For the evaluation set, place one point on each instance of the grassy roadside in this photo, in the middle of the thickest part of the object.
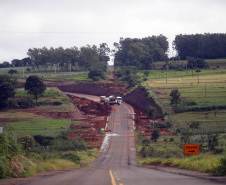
(207, 91)
(52, 149)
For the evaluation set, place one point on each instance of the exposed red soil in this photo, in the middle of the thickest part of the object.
(95, 119)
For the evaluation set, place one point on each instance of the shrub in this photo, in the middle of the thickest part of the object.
(43, 140)
(171, 139)
(25, 103)
(155, 135)
(5, 170)
(160, 125)
(96, 74)
(42, 103)
(179, 108)
(13, 104)
(168, 124)
(221, 169)
(27, 142)
(146, 142)
(9, 147)
(57, 103)
(72, 157)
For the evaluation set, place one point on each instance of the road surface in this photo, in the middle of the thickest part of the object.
(116, 163)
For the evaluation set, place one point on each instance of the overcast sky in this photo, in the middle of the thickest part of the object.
(26, 24)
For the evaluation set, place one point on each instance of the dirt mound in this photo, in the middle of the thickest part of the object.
(91, 108)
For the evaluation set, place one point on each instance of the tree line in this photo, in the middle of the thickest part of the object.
(140, 52)
(206, 46)
(76, 59)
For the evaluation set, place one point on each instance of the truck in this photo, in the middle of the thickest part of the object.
(111, 100)
(102, 99)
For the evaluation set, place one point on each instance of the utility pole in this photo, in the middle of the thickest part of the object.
(23, 71)
(70, 68)
(205, 90)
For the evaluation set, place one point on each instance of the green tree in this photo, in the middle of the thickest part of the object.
(6, 78)
(153, 113)
(6, 91)
(12, 71)
(35, 86)
(146, 73)
(155, 134)
(194, 125)
(175, 94)
(96, 74)
(213, 141)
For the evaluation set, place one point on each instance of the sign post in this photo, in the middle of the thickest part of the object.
(191, 149)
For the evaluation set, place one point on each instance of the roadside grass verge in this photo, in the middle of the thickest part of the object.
(203, 163)
(51, 164)
(37, 165)
(166, 153)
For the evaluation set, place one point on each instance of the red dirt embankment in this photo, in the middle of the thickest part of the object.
(95, 118)
(137, 99)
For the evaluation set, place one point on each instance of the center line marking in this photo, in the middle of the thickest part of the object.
(112, 178)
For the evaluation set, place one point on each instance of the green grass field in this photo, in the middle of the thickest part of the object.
(42, 126)
(60, 76)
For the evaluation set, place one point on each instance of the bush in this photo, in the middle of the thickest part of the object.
(221, 169)
(171, 139)
(43, 140)
(146, 142)
(27, 142)
(168, 124)
(5, 170)
(65, 145)
(39, 103)
(25, 103)
(96, 74)
(179, 108)
(13, 104)
(9, 147)
(72, 157)
(57, 103)
(160, 125)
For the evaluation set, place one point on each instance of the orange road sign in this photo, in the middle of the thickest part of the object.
(190, 149)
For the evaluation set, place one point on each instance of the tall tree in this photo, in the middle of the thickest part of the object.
(175, 94)
(35, 86)
(6, 91)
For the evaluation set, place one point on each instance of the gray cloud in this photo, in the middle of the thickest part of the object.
(26, 24)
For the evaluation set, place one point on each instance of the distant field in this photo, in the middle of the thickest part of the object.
(61, 76)
(213, 63)
(210, 89)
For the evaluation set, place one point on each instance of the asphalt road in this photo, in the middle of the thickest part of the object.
(116, 163)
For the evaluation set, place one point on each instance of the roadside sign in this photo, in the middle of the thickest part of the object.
(190, 149)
